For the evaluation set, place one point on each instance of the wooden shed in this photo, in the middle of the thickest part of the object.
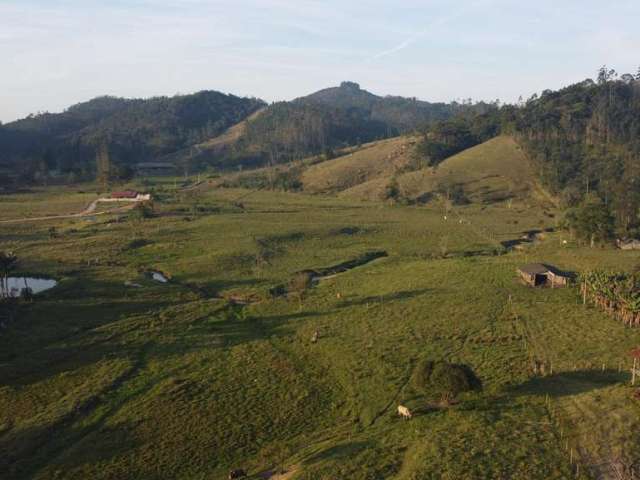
(542, 275)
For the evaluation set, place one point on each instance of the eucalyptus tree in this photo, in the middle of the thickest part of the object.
(8, 264)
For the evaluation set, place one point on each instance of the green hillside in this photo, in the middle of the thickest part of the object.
(494, 171)
(378, 159)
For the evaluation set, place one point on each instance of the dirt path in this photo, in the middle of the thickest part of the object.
(288, 475)
(89, 211)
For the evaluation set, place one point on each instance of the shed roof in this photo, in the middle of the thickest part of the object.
(542, 268)
(535, 269)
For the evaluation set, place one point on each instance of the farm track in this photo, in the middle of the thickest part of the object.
(89, 211)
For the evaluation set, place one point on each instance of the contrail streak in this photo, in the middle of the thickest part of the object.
(417, 36)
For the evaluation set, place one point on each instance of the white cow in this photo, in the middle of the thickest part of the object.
(404, 412)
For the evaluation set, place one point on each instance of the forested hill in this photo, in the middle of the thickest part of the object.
(165, 129)
(333, 118)
(134, 129)
(585, 142)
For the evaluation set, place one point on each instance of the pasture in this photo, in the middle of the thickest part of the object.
(210, 372)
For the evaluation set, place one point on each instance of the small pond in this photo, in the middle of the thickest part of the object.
(37, 285)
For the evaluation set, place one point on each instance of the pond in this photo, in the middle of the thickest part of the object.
(15, 285)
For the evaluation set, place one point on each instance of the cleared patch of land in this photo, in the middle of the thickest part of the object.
(231, 135)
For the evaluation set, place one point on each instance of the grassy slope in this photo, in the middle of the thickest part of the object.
(378, 159)
(493, 171)
(102, 381)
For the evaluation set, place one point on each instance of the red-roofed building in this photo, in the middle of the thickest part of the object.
(129, 194)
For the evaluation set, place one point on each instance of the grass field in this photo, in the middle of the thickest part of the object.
(103, 381)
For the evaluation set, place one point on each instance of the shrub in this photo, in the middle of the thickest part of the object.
(137, 243)
(301, 282)
(142, 211)
(444, 379)
(391, 190)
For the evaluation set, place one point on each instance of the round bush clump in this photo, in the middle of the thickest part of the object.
(444, 379)
(301, 281)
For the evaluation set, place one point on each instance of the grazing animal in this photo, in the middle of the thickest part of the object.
(315, 336)
(238, 473)
(404, 412)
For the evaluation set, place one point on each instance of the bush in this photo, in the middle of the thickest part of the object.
(137, 243)
(444, 379)
(301, 282)
(142, 211)
(391, 190)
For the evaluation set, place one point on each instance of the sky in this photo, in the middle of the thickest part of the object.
(55, 53)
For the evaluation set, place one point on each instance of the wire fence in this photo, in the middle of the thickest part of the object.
(572, 431)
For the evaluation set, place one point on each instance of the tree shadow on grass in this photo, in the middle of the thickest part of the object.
(31, 450)
(570, 383)
(405, 295)
(230, 332)
(338, 452)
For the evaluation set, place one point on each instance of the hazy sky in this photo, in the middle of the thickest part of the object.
(54, 53)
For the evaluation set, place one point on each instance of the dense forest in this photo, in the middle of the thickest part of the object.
(134, 130)
(585, 143)
(440, 140)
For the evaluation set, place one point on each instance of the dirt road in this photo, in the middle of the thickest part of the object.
(89, 211)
